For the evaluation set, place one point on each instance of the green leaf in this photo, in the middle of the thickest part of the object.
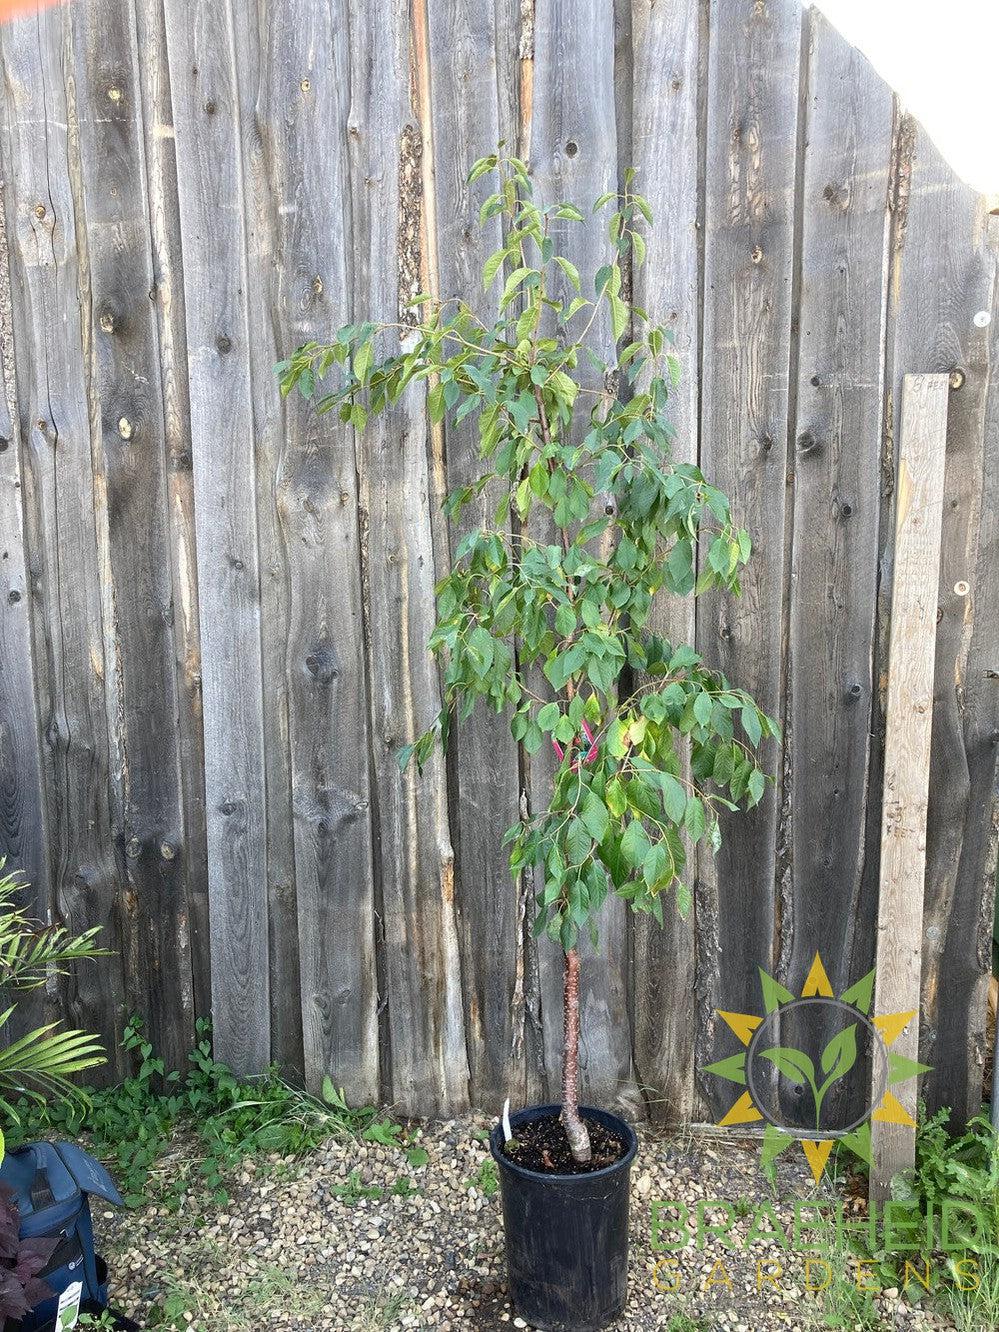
(578, 843)
(635, 844)
(569, 211)
(565, 620)
(674, 798)
(491, 267)
(619, 316)
(362, 361)
(840, 1054)
(693, 819)
(570, 270)
(512, 283)
(792, 1064)
(751, 723)
(756, 787)
(684, 899)
(594, 816)
(548, 716)
(657, 867)
(615, 798)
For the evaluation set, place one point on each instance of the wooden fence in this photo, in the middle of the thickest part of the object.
(213, 607)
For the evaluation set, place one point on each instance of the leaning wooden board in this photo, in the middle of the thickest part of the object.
(919, 503)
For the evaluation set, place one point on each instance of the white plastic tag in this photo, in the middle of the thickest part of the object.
(69, 1307)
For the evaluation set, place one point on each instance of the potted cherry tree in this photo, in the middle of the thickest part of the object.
(581, 518)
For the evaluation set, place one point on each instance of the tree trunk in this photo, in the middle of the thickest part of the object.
(575, 1129)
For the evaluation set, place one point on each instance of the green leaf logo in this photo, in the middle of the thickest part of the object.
(792, 1064)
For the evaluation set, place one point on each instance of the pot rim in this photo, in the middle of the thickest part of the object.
(620, 1125)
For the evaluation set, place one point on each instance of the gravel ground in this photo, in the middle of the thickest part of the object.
(300, 1246)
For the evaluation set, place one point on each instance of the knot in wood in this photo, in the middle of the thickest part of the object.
(167, 851)
(224, 344)
(957, 377)
(305, 85)
(757, 254)
(13, 597)
(39, 210)
(107, 321)
(322, 664)
(114, 94)
(125, 428)
(134, 848)
(4, 445)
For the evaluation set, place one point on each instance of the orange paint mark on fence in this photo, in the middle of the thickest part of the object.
(12, 9)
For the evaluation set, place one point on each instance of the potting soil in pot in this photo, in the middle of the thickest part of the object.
(542, 1145)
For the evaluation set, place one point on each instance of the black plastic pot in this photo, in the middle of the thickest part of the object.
(566, 1235)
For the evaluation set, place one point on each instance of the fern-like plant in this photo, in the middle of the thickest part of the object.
(41, 1063)
(581, 518)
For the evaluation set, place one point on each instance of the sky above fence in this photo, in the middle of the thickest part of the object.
(942, 65)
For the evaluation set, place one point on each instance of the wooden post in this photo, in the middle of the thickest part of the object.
(918, 512)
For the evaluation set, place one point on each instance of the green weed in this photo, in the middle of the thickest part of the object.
(131, 1125)
(485, 1179)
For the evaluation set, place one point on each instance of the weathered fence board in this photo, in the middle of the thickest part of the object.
(465, 124)
(49, 281)
(168, 294)
(574, 157)
(215, 604)
(666, 96)
(834, 530)
(919, 504)
(429, 1064)
(753, 93)
(206, 104)
(149, 831)
(942, 287)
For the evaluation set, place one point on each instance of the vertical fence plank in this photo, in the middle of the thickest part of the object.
(206, 109)
(168, 291)
(919, 504)
(749, 223)
(269, 176)
(574, 157)
(274, 107)
(834, 560)
(301, 232)
(130, 414)
(49, 288)
(23, 839)
(665, 130)
(465, 126)
(422, 962)
(942, 285)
